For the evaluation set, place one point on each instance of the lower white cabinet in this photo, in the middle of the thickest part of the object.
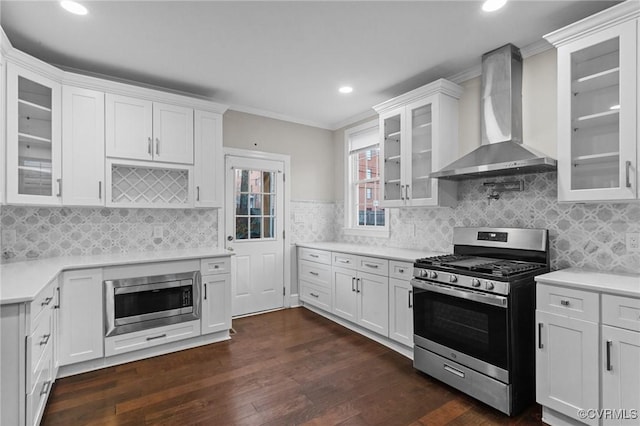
(401, 311)
(123, 343)
(216, 303)
(81, 316)
(345, 298)
(567, 364)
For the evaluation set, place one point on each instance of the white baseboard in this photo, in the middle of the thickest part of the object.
(294, 301)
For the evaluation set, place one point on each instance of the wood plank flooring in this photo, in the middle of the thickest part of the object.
(281, 368)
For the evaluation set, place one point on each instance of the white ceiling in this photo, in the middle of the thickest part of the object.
(282, 59)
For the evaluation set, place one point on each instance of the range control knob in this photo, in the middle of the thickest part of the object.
(453, 278)
(475, 282)
(433, 274)
(423, 273)
(489, 285)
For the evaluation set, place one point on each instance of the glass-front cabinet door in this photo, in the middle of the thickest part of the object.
(33, 138)
(420, 133)
(394, 189)
(597, 143)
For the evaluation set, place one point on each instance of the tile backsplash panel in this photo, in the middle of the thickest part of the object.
(60, 231)
(581, 235)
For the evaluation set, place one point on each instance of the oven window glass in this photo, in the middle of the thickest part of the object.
(465, 326)
(150, 301)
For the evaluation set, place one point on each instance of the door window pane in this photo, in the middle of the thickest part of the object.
(255, 204)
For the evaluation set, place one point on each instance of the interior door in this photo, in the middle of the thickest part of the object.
(254, 232)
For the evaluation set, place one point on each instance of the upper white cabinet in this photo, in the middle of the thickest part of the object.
(597, 106)
(83, 147)
(33, 138)
(138, 129)
(209, 159)
(419, 135)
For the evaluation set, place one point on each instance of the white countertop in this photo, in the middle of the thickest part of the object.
(400, 254)
(585, 279)
(22, 281)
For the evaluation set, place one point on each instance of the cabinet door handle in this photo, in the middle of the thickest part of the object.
(45, 387)
(99, 190)
(149, 145)
(410, 298)
(205, 291)
(198, 193)
(357, 285)
(402, 192)
(540, 345)
(609, 366)
(58, 305)
(406, 192)
(353, 281)
(156, 337)
(628, 180)
(59, 194)
(157, 146)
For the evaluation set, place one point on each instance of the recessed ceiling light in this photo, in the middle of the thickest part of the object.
(493, 5)
(73, 7)
(345, 89)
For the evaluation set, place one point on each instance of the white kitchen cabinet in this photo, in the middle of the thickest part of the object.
(345, 298)
(209, 160)
(401, 311)
(418, 136)
(33, 138)
(81, 316)
(597, 106)
(216, 303)
(373, 302)
(83, 157)
(567, 364)
(138, 129)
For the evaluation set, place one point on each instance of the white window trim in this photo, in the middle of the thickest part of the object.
(349, 227)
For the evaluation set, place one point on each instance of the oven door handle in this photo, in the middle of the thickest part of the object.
(486, 298)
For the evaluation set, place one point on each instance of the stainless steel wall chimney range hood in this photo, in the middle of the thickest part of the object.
(502, 151)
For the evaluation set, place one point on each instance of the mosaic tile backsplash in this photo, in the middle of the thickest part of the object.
(60, 231)
(581, 235)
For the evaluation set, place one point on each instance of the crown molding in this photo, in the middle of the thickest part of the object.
(281, 117)
(368, 114)
(439, 86)
(602, 20)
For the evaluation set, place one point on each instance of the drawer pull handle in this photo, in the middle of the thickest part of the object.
(609, 367)
(371, 265)
(540, 345)
(314, 273)
(314, 256)
(216, 266)
(45, 387)
(45, 339)
(46, 301)
(156, 337)
(401, 271)
(314, 295)
(343, 261)
(454, 371)
(564, 302)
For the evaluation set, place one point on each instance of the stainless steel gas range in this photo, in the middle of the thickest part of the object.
(474, 313)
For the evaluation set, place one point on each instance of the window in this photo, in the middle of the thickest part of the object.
(363, 214)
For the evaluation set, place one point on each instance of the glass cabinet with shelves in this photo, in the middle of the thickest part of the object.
(33, 138)
(597, 109)
(419, 135)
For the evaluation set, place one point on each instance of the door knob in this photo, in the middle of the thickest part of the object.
(230, 238)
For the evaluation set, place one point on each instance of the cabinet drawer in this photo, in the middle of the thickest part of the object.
(623, 312)
(39, 343)
(315, 295)
(42, 303)
(373, 265)
(569, 302)
(215, 265)
(316, 273)
(400, 270)
(314, 255)
(37, 396)
(344, 260)
(149, 338)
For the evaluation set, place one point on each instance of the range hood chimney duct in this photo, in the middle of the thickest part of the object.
(502, 151)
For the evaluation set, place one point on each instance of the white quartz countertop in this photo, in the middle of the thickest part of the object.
(22, 281)
(585, 279)
(400, 254)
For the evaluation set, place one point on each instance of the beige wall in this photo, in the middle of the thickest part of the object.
(539, 106)
(310, 148)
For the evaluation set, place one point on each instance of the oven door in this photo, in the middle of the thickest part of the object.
(466, 326)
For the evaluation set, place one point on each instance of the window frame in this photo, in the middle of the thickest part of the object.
(351, 226)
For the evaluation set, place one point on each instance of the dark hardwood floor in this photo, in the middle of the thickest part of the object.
(281, 368)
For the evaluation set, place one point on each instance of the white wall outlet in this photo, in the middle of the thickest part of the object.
(157, 231)
(633, 241)
(8, 236)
